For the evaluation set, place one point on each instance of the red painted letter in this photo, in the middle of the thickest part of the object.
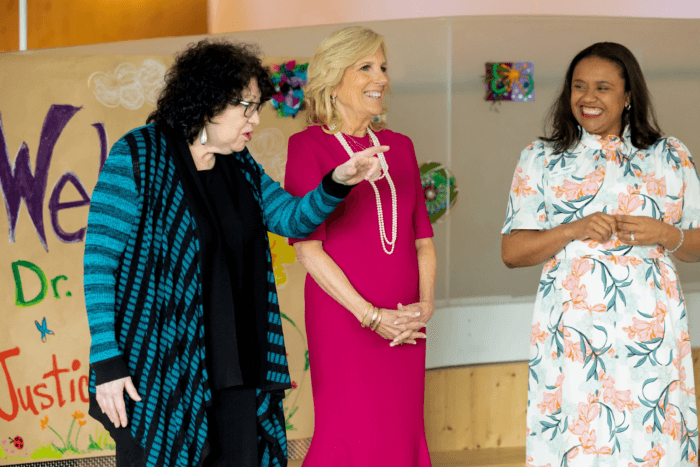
(13, 397)
(45, 396)
(56, 374)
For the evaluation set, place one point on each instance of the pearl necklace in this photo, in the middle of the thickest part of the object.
(385, 174)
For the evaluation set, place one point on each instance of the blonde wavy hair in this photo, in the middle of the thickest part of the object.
(332, 57)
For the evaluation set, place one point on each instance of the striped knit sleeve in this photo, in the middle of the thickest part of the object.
(298, 217)
(113, 214)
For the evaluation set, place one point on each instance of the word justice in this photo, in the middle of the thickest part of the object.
(40, 396)
(19, 183)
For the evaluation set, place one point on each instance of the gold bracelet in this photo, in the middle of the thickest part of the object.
(369, 308)
(374, 317)
(379, 320)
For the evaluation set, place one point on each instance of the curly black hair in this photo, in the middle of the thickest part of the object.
(565, 131)
(205, 78)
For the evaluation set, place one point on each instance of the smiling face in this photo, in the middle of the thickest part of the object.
(360, 93)
(231, 130)
(598, 96)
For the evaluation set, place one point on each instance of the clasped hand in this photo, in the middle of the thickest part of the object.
(362, 165)
(631, 230)
(402, 326)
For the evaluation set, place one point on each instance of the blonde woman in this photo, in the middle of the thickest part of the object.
(370, 285)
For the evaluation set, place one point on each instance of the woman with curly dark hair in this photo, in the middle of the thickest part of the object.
(179, 288)
(604, 201)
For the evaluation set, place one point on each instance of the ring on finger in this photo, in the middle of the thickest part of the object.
(632, 236)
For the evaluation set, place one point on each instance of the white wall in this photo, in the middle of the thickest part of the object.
(435, 63)
(250, 15)
(497, 329)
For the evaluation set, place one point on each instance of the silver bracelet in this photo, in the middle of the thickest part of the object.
(681, 242)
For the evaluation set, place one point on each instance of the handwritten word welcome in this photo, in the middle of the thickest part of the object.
(18, 183)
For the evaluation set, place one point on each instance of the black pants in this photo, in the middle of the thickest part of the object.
(232, 434)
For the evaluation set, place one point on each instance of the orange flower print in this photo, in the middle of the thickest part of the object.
(588, 442)
(549, 265)
(683, 349)
(671, 427)
(82, 422)
(520, 186)
(530, 460)
(686, 389)
(537, 335)
(597, 176)
(654, 456)
(682, 154)
(589, 186)
(611, 244)
(660, 311)
(627, 204)
(625, 260)
(579, 427)
(550, 402)
(655, 187)
(570, 283)
(44, 421)
(573, 351)
(673, 212)
(633, 190)
(572, 454)
(78, 415)
(670, 287)
(622, 400)
(580, 266)
(573, 191)
(578, 297)
(644, 330)
(588, 412)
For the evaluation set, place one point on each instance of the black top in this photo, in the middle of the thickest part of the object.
(236, 293)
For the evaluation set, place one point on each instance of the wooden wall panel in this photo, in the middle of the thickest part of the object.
(476, 407)
(60, 23)
(9, 25)
(482, 408)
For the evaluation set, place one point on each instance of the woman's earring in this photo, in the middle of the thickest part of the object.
(628, 107)
(333, 99)
(203, 137)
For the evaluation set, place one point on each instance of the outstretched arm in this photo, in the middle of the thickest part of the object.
(297, 217)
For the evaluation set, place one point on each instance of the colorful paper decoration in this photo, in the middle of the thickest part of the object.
(510, 81)
(289, 78)
(434, 177)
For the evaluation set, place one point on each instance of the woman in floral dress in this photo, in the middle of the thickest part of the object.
(603, 201)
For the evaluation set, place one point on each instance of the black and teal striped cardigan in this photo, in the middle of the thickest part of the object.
(143, 295)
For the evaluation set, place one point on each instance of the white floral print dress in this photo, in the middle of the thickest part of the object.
(611, 373)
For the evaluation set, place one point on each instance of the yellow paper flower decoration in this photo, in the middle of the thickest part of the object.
(281, 253)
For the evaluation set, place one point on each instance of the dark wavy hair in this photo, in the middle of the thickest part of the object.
(204, 79)
(564, 129)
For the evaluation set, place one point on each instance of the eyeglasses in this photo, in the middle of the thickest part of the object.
(250, 107)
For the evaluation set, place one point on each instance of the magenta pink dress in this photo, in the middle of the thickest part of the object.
(368, 397)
